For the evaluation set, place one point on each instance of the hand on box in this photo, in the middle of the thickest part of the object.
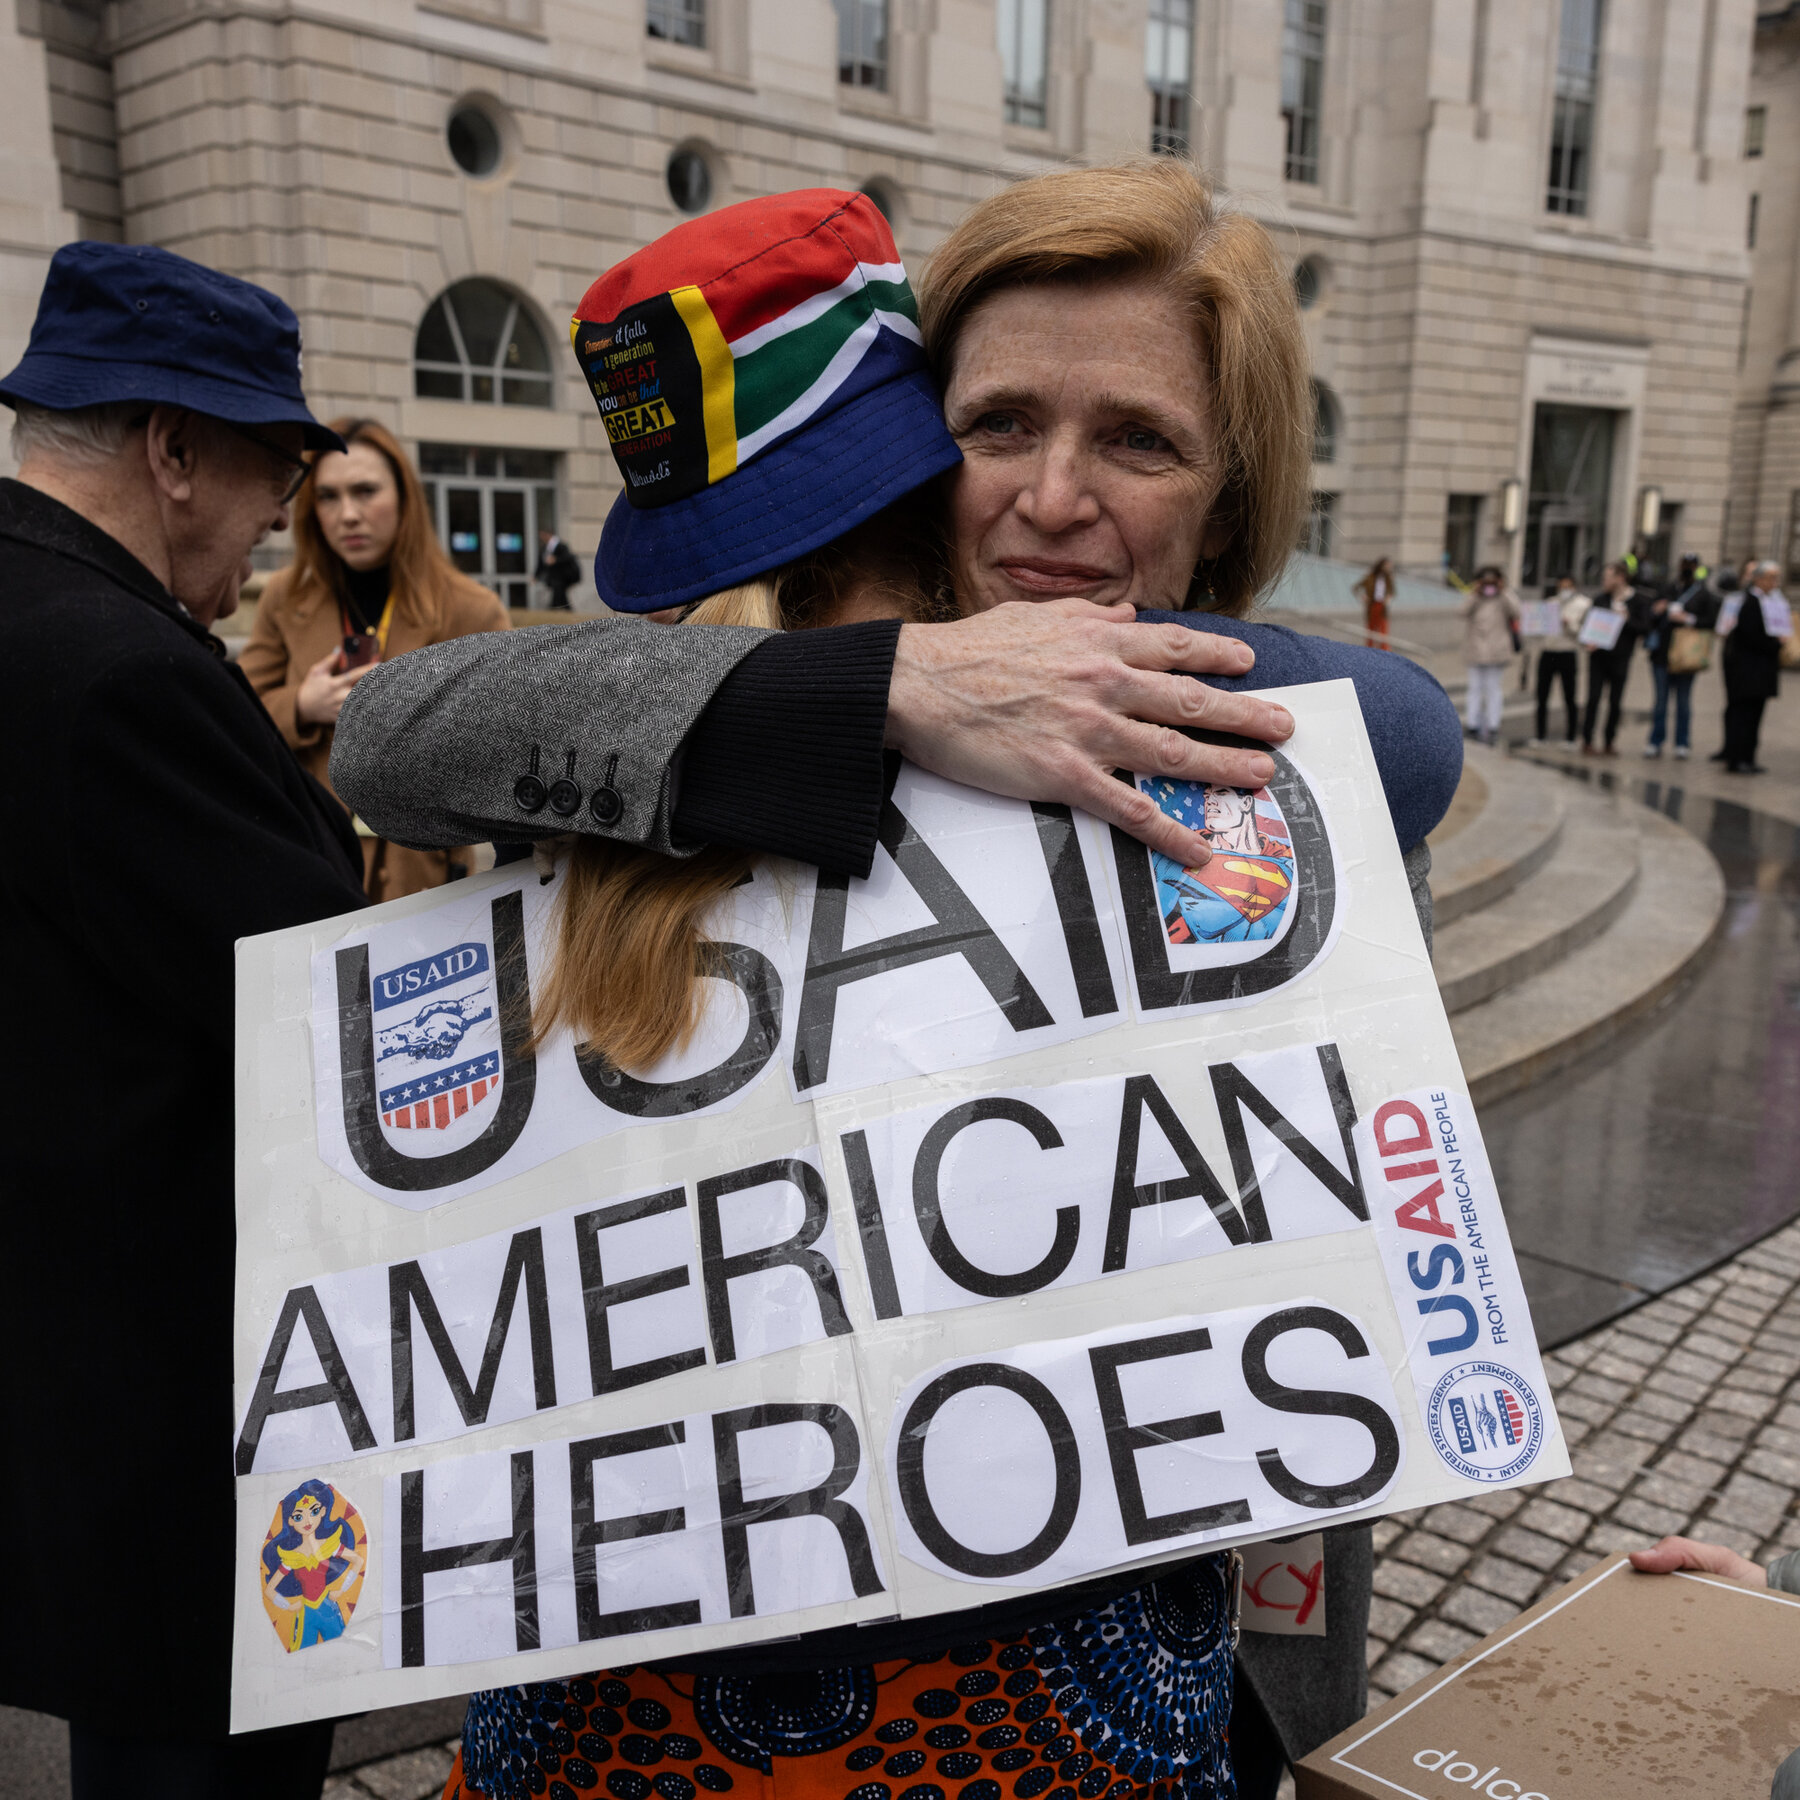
(1674, 1553)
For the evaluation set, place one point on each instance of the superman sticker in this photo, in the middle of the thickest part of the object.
(1240, 903)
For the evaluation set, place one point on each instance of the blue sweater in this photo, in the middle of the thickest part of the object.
(1413, 727)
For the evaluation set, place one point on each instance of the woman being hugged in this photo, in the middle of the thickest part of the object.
(1125, 373)
(369, 581)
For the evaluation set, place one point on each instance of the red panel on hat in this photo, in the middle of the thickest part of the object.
(754, 261)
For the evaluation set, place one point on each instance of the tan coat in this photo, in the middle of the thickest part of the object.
(288, 638)
(1487, 625)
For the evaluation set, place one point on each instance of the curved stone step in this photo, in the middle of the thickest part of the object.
(1508, 839)
(1566, 1011)
(1565, 903)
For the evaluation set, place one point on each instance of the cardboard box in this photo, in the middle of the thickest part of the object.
(1619, 1684)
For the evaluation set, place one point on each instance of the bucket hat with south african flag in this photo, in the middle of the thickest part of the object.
(763, 383)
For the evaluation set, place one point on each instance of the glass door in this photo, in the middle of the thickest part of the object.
(1571, 479)
(463, 529)
(488, 507)
(510, 506)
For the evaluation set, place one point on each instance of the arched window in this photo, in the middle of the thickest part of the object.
(477, 342)
(1325, 424)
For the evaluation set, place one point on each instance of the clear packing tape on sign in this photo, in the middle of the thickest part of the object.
(1030, 1210)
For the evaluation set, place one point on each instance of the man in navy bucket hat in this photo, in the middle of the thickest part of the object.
(132, 322)
(160, 430)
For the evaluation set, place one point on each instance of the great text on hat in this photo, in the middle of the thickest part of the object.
(732, 332)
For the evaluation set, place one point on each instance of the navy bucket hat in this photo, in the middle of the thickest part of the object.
(764, 389)
(124, 322)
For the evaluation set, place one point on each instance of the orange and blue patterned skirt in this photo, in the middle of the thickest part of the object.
(1132, 1699)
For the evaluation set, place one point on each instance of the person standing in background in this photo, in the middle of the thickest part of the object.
(1376, 590)
(1489, 614)
(1692, 604)
(369, 581)
(1557, 659)
(557, 569)
(1608, 664)
(1753, 626)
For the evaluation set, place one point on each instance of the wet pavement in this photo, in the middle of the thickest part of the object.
(1681, 1146)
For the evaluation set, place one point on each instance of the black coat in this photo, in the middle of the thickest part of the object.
(1696, 599)
(1752, 657)
(152, 816)
(557, 568)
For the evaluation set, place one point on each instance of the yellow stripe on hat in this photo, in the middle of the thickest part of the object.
(718, 381)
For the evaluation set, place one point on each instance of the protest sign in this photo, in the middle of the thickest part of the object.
(1540, 618)
(1601, 627)
(1032, 1209)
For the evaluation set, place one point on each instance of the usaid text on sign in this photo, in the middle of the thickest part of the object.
(1031, 1209)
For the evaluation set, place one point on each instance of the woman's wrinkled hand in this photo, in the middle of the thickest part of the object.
(1044, 701)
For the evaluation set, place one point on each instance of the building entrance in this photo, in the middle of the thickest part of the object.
(488, 507)
(1571, 480)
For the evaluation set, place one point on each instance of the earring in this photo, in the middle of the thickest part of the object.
(1200, 596)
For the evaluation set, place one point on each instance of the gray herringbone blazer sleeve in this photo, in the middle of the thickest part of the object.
(430, 747)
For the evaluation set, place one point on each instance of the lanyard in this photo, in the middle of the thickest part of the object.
(381, 630)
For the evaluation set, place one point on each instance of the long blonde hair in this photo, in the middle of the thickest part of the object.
(631, 948)
(1159, 221)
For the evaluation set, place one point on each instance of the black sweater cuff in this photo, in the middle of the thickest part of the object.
(787, 756)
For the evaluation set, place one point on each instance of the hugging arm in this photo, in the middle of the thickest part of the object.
(432, 748)
(774, 741)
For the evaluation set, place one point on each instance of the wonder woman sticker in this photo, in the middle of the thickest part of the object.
(311, 1567)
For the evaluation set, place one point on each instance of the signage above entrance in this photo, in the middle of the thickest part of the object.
(1579, 372)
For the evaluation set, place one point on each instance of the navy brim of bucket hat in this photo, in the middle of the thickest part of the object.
(61, 383)
(794, 498)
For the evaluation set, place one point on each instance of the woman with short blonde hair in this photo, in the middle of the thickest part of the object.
(1125, 372)
(1157, 223)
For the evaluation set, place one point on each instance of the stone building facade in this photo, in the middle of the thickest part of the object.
(1765, 459)
(1517, 230)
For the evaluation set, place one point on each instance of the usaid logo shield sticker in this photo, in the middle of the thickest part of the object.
(427, 1082)
(421, 1026)
(1485, 1422)
(437, 1046)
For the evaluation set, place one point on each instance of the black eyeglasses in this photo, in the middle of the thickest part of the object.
(301, 467)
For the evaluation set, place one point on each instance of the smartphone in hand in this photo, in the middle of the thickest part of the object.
(358, 650)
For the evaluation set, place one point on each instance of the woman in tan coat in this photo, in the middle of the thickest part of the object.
(369, 581)
(1489, 615)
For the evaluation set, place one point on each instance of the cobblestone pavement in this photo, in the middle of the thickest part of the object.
(1682, 1416)
(414, 1775)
